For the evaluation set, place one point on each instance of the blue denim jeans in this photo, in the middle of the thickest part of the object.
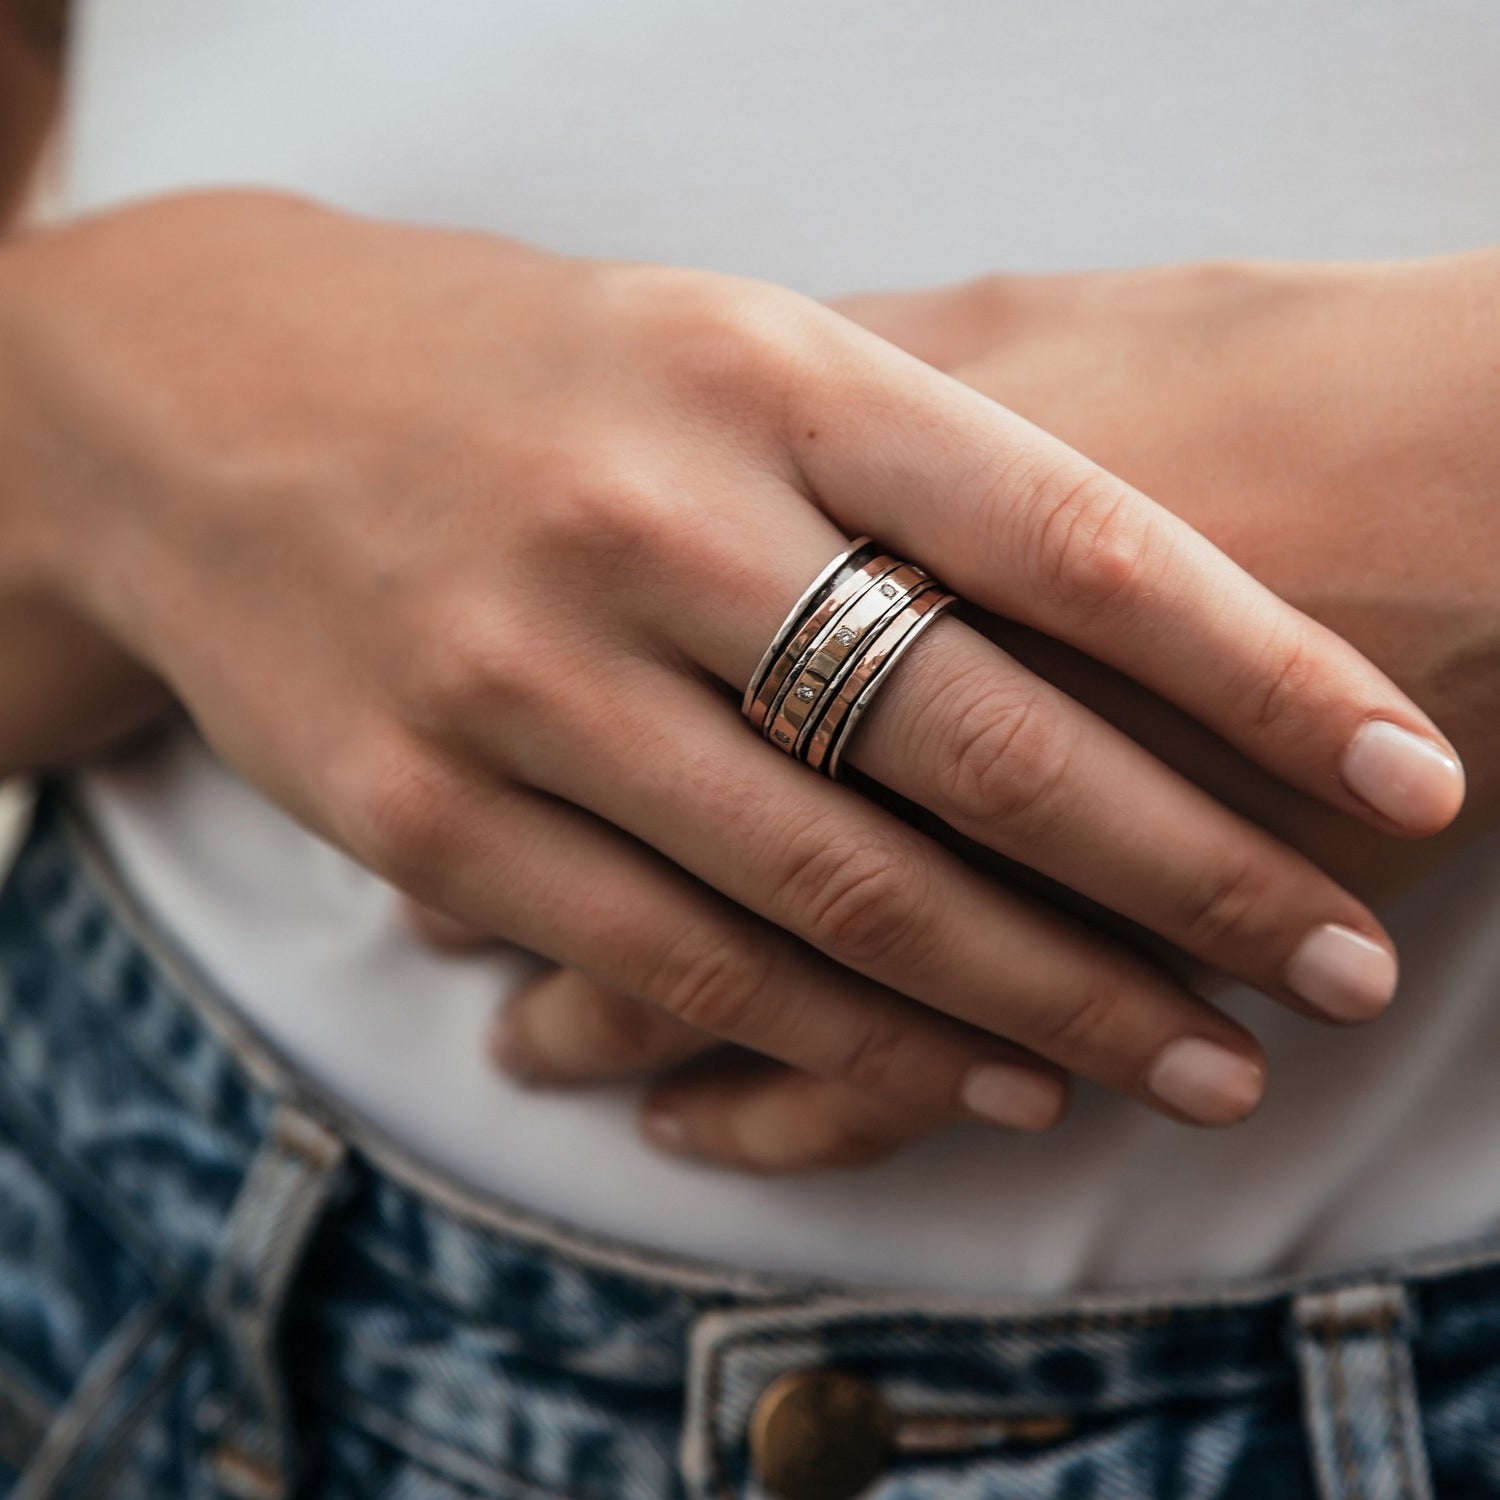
(213, 1283)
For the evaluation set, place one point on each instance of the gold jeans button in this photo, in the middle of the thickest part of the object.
(819, 1435)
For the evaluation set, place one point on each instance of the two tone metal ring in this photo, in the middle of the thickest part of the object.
(836, 649)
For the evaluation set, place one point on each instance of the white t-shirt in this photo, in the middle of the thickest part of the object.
(834, 147)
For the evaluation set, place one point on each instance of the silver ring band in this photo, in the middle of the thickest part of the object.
(836, 649)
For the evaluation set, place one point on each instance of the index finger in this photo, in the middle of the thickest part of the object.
(1021, 524)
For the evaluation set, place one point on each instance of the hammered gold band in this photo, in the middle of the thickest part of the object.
(835, 649)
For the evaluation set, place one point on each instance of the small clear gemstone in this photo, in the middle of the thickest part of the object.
(805, 693)
(844, 637)
(782, 737)
(888, 589)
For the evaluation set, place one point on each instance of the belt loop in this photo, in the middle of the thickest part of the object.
(1359, 1394)
(278, 1208)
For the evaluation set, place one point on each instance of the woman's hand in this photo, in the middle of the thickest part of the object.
(1332, 428)
(453, 547)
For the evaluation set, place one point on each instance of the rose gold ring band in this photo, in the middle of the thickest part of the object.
(839, 584)
(836, 648)
(829, 741)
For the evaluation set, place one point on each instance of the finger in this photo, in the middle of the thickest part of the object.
(566, 1029)
(1024, 526)
(879, 898)
(553, 879)
(1356, 855)
(756, 1116)
(966, 732)
(1011, 761)
(438, 930)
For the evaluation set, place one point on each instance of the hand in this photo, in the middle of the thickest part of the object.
(451, 547)
(724, 1105)
(1331, 428)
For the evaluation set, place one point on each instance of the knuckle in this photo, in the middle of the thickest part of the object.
(1008, 300)
(406, 818)
(617, 1030)
(1092, 550)
(712, 981)
(1085, 1027)
(444, 933)
(612, 512)
(470, 663)
(865, 905)
(1226, 908)
(723, 335)
(1279, 700)
(1003, 760)
(874, 1055)
(991, 296)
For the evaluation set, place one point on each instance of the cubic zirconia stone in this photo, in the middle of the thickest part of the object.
(805, 693)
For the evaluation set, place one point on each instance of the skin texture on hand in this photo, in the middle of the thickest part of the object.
(453, 548)
(1331, 428)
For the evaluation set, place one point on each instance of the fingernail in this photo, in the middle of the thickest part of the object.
(1014, 1097)
(1206, 1082)
(1342, 973)
(1413, 780)
(665, 1130)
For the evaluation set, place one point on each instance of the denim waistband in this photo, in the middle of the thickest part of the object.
(526, 1357)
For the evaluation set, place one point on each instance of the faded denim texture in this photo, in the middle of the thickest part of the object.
(213, 1284)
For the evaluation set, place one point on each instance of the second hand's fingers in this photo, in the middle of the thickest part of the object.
(730, 1108)
(554, 879)
(1020, 524)
(563, 1028)
(566, 1029)
(758, 1116)
(444, 933)
(881, 899)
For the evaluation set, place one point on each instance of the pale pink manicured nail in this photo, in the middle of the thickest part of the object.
(1342, 973)
(1413, 780)
(1014, 1097)
(1206, 1082)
